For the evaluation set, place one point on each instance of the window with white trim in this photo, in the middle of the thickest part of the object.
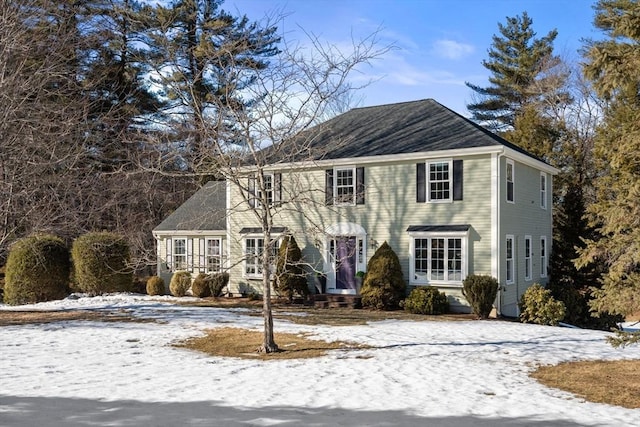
(543, 256)
(510, 178)
(438, 257)
(510, 252)
(543, 190)
(439, 181)
(345, 186)
(253, 250)
(267, 194)
(527, 258)
(213, 255)
(179, 254)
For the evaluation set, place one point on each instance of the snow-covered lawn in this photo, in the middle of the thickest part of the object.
(80, 373)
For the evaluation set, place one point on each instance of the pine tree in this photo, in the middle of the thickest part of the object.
(203, 59)
(517, 62)
(612, 66)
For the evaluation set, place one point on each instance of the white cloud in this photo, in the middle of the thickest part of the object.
(451, 49)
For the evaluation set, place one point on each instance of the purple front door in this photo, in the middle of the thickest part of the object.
(346, 263)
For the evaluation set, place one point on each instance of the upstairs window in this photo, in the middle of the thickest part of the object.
(267, 194)
(543, 190)
(270, 191)
(344, 186)
(510, 179)
(439, 181)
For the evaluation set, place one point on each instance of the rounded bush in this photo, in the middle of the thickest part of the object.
(201, 286)
(37, 270)
(291, 278)
(537, 305)
(217, 283)
(383, 286)
(101, 263)
(426, 300)
(480, 291)
(155, 285)
(180, 283)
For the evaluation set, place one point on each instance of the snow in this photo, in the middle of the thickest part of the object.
(454, 373)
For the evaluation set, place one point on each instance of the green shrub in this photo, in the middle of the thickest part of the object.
(180, 283)
(576, 303)
(480, 291)
(217, 283)
(426, 300)
(37, 270)
(538, 306)
(155, 286)
(290, 277)
(383, 286)
(201, 286)
(101, 263)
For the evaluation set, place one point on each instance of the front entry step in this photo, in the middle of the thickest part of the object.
(337, 301)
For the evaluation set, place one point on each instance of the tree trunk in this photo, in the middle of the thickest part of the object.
(268, 345)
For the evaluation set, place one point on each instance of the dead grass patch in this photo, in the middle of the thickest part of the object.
(307, 315)
(244, 343)
(350, 317)
(11, 318)
(611, 382)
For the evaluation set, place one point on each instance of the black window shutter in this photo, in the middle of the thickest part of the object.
(457, 179)
(251, 190)
(360, 186)
(277, 189)
(328, 187)
(421, 184)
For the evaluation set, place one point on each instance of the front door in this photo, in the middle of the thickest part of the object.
(345, 259)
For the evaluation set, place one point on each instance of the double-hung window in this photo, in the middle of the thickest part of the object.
(440, 181)
(253, 249)
(270, 191)
(527, 258)
(438, 257)
(510, 178)
(213, 255)
(510, 258)
(267, 194)
(179, 254)
(345, 186)
(543, 190)
(543, 256)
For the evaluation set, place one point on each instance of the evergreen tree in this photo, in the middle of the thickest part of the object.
(517, 62)
(291, 278)
(203, 59)
(612, 66)
(115, 76)
(383, 286)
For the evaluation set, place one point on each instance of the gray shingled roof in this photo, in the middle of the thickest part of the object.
(402, 128)
(205, 210)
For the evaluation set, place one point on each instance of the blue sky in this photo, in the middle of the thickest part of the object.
(440, 43)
